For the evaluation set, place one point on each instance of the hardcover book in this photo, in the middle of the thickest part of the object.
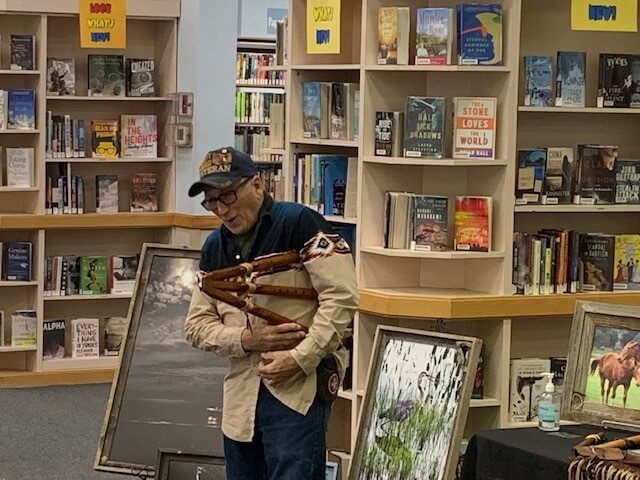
(473, 224)
(72, 268)
(479, 34)
(22, 109)
(61, 76)
(106, 193)
(23, 52)
(538, 81)
(144, 192)
(626, 275)
(17, 259)
(106, 76)
(474, 127)
(388, 134)
(85, 338)
(315, 105)
(114, 332)
(53, 337)
(527, 383)
(123, 273)
(105, 139)
(597, 174)
(139, 136)
(614, 81)
(19, 167)
(530, 180)
(393, 36)
(434, 33)
(597, 254)
(429, 223)
(634, 93)
(627, 181)
(338, 126)
(333, 183)
(141, 73)
(558, 176)
(424, 121)
(24, 328)
(93, 275)
(570, 79)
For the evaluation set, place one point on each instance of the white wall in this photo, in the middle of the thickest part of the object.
(252, 18)
(206, 66)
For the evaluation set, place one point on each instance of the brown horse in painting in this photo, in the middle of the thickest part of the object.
(616, 373)
(630, 350)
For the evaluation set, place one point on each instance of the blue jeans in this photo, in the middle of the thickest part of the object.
(286, 445)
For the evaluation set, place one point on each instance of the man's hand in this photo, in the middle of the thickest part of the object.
(278, 367)
(269, 338)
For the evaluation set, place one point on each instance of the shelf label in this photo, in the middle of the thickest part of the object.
(323, 26)
(103, 24)
(605, 16)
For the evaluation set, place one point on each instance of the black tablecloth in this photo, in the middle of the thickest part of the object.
(524, 453)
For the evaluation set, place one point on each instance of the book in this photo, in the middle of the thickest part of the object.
(429, 223)
(19, 167)
(24, 328)
(558, 366)
(627, 181)
(338, 126)
(393, 36)
(479, 34)
(114, 332)
(3, 326)
(388, 134)
(144, 192)
(85, 338)
(71, 264)
(53, 339)
(570, 79)
(538, 81)
(634, 91)
(527, 383)
(474, 127)
(333, 177)
(139, 136)
(614, 81)
(315, 105)
(626, 274)
(477, 393)
(23, 52)
(17, 259)
(558, 176)
(4, 109)
(22, 109)
(141, 77)
(530, 175)
(123, 273)
(473, 224)
(93, 275)
(107, 194)
(597, 254)
(596, 183)
(61, 76)
(434, 36)
(105, 139)
(106, 75)
(424, 121)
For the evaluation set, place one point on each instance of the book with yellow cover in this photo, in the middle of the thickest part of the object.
(626, 271)
(105, 139)
(393, 36)
(473, 224)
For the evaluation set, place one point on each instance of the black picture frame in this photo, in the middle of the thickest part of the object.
(166, 393)
(179, 465)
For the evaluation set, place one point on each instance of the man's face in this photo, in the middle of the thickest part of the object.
(240, 216)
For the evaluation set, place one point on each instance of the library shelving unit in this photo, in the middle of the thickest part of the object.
(459, 292)
(151, 33)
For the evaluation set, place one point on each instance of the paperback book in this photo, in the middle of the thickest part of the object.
(597, 252)
(105, 139)
(61, 76)
(388, 134)
(474, 127)
(393, 36)
(123, 273)
(473, 224)
(315, 105)
(93, 275)
(144, 192)
(53, 339)
(597, 174)
(22, 109)
(424, 121)
(114, 332)
(570, 79)
(627, 181)
(479, 34)
(106, 193)
(434, 33)
(530, 175)
(429, 223)
(538, 81)
(141, 73)
(139, 136)
(627, 263)
(24, 328)
(23, 52)
(85, 338)
(614, 81)
(558, 176)
(106, 75)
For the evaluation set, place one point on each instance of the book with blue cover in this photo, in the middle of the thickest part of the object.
(315, 103)
(531, 165)
(334, 183)
(424, 121)
(538, 81)
(17, 258)
(570, 79)
(479, 33)
(22, 109)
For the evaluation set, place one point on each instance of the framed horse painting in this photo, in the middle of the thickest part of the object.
(602, 380)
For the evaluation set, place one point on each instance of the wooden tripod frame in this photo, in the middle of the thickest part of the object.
(219, 283)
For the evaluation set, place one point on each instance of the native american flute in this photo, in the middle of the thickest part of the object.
(623, 443)
(252, 288)
(261, 265)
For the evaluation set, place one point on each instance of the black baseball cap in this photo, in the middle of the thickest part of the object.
(223, 168)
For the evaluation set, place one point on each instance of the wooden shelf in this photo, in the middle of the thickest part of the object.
(274, 68)
(32, 348)
(463, 304)
(279, 90)
(437, 162)
(19, 72)
(591, 110)
(86, 220)
(72, 298)
(273, 151)
(571, 208)
(485, 402)
(109, 160)
(80, 98)
(346, 394)
(438, 68)
(14, 283)
(18, 189)
(80, 363)
(256, 125)
(326, 141)
(196, 222)
(20, 379)
(448, 255)
(329, 66)
(339, 219)
(16, 131)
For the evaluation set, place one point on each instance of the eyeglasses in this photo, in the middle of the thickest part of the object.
(226, 198)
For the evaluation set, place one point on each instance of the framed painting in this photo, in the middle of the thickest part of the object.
(417, 396)
(178, 465)
(166, 393)
(602, 380)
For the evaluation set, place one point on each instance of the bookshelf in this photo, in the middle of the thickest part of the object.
(151, 33)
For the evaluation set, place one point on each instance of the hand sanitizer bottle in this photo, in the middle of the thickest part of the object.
(549, 407)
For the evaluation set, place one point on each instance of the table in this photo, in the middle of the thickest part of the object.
(524, 453)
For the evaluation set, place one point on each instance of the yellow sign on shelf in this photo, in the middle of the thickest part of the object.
(323, 26)
(103, 24)
(606, 16)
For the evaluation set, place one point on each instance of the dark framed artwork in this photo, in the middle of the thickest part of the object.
(602, 379)
(415, 406)
(166, 393)
(179, 465)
